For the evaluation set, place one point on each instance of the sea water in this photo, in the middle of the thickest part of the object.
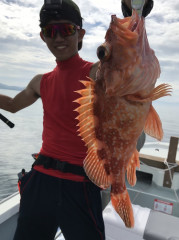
(17, 144)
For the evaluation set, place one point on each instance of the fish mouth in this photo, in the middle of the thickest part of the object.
(134, 27)
(131, 23)
(134, 22)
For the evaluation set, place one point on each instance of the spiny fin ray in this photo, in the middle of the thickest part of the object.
(84, 92)
(84, 107)
(160, 91)
(95, 170)
(84, 100)
(93, 165)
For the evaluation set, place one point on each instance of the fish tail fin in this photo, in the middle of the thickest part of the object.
(131, 168)
(122, 205)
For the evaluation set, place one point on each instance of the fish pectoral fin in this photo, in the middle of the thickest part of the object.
(153, 125)
(122, 204)
(95, 170)
(160, 91)
(131, 168)
(135, 98)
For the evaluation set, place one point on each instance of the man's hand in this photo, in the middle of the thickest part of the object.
(138, 6)
(127, 7)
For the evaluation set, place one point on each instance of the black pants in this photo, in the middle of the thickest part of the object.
(48, 203)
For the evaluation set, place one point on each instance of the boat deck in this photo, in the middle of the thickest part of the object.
(149, 224)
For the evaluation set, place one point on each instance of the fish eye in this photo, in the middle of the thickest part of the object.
(103, 52)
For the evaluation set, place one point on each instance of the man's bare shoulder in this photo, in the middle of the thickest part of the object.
(37, 78)
(35, 84)
(94, 70)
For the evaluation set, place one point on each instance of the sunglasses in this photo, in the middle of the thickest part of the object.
(64, 29)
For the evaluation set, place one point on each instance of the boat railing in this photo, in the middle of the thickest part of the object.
(169, 164)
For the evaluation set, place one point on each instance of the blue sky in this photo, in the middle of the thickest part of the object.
(23, 54)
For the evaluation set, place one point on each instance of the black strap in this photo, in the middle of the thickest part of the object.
(56, 164)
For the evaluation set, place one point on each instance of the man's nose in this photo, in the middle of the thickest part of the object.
(58, 36)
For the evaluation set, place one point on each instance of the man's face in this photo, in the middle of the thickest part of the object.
(63, 48)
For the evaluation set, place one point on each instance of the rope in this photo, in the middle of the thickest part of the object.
(171, 179)
(172, 165)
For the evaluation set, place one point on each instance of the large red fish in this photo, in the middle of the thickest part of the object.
(117, 107)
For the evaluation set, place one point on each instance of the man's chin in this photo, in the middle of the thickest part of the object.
(63, 57)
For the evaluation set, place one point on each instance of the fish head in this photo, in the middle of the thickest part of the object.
(126, 58)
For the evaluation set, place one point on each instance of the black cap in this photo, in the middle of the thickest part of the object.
(61, 9)
(127, 12)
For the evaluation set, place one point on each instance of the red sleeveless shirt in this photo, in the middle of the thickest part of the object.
(60, 136)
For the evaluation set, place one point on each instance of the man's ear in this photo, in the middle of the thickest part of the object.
(42, 36)
(81, 34)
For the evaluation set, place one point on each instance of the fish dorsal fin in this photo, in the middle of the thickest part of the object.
(153, 125)
(95, 168)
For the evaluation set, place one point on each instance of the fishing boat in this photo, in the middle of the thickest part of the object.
(155, 200)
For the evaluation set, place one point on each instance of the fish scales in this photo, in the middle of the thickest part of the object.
(116, 107)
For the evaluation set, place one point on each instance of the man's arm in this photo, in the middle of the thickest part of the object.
(24, 99)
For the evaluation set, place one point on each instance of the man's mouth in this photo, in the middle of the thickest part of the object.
(60, 47)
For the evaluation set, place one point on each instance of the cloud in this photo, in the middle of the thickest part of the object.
(24, 54)
(18, 21)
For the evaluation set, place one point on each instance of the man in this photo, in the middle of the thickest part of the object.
(57, 193)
